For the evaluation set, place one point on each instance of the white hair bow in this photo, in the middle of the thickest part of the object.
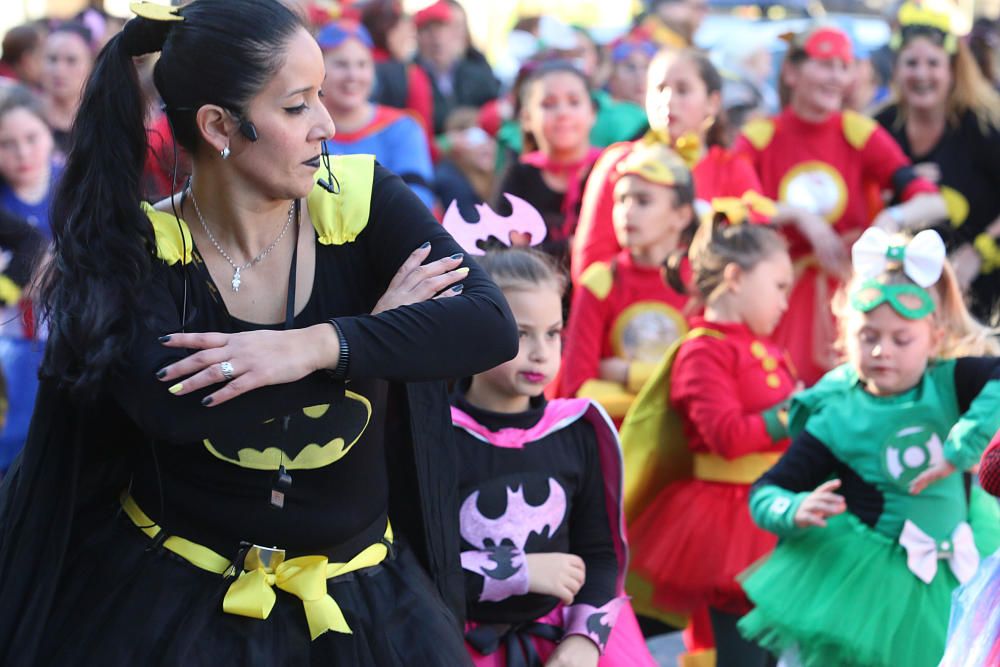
(922, 258)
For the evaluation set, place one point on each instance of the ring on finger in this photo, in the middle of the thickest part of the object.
(227, 370)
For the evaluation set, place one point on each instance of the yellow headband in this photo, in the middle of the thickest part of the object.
(918, 15)
(657, 164)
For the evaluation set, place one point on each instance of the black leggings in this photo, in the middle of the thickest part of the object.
(730, 647)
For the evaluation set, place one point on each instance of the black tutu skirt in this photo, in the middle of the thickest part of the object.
(122, 602)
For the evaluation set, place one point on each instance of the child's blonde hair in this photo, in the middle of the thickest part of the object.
(964, 335)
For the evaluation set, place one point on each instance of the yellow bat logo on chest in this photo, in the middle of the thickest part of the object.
(317, 436)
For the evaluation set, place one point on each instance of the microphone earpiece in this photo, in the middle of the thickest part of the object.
(330, 183)
(248, 129)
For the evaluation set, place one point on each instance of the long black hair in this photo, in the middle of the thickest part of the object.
(223, 52)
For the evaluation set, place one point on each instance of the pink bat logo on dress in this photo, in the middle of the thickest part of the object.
(518, 521)
(523, 227)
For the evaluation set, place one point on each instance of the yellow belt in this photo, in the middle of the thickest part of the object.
(743, 470)
(252, 593)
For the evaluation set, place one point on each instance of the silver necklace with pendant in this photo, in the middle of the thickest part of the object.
(263, 253)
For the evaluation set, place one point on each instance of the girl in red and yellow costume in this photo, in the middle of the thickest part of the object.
(825, 165)
(708, 423)
(683, 103)
(625, 317)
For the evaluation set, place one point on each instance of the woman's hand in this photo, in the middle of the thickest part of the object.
(574, 651)
(258, 359)
(557, 574)
(934, 473)
(820, 505)
(928, 170)
(416, 281)
(826, 244)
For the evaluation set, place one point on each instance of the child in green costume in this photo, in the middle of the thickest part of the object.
(877, 524)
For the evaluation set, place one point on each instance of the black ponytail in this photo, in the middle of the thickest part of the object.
(222, 53)
(103, 242)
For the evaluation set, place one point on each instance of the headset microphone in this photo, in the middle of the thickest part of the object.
(330, 183)
(248, 129)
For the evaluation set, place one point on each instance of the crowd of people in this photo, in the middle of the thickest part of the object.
(517, 363)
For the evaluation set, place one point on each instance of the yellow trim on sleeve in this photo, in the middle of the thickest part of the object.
(339, 218)
(759, 132)
(598, 279)
(172, 236)
(857, 128)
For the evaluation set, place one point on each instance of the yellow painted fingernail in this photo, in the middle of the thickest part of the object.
(462, 270)
(176, 388)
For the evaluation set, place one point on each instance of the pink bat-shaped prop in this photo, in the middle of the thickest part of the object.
(524, 221)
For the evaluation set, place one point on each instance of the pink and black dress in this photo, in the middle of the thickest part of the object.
(545, 480)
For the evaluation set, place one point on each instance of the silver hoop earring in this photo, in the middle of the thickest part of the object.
(224, 153)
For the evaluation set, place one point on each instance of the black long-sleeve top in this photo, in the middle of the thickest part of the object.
(210, 464)
(559, 476)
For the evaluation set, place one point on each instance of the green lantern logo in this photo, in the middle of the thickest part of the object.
(911, 451)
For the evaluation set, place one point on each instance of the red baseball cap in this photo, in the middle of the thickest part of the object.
(828, 43)
(440, 11)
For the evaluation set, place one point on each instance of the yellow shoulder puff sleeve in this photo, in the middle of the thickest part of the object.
(858, 129)
(339, 218)
(597, 278)
(172, 236)
(759, 132)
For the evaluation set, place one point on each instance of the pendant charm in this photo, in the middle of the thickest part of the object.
(236, 281)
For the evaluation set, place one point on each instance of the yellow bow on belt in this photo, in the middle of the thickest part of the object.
(252, 594)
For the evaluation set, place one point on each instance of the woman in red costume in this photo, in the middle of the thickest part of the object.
(825, 165)
(683, 104)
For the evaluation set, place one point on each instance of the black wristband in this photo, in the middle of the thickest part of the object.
(340, 372)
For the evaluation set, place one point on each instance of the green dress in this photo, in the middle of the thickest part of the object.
(852, 594)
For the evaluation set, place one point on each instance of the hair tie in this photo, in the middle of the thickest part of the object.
(148, 31)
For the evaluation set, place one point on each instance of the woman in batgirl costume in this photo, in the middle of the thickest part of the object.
(239, 450)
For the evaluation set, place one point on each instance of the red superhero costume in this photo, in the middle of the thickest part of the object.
(717, 174)
(623, 310)
(692, 537)
(828, 168)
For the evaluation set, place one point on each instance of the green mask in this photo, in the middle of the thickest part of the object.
(872, 294)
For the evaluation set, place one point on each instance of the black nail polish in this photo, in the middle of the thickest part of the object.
(425, 245)
(162, 373)
(206, 401)
(163, 339)
(457, 289)
(457, 255)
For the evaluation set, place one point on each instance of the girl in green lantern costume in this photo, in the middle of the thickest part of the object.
(877, 526)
